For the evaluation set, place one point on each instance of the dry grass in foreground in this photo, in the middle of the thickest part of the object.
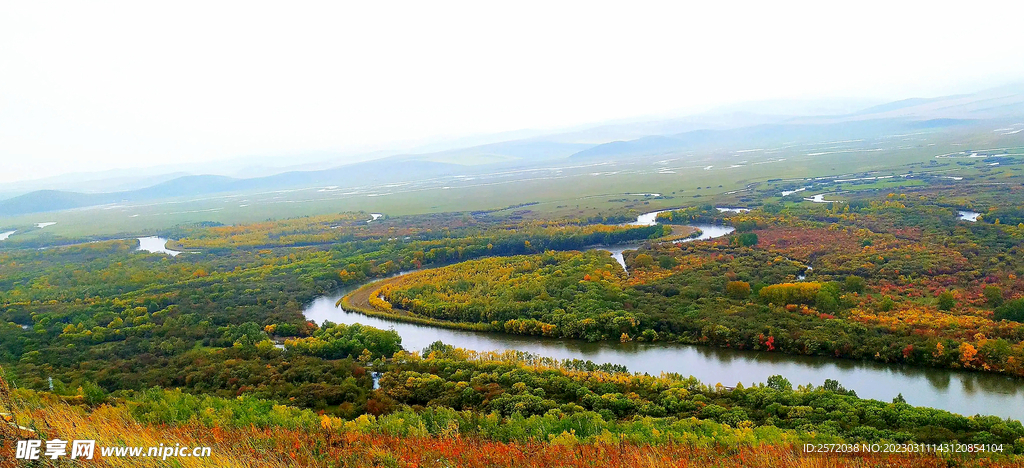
(326, 447)
(333, 445)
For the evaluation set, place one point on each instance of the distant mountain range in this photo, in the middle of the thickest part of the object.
(356, 174)
(732, 128)
(761, 135)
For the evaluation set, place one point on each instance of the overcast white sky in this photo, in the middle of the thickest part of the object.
(99, 85)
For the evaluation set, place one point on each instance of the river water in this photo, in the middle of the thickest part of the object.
(156, 245)
(708, 231)
(966, 393)
(971, 216)
(960, 392)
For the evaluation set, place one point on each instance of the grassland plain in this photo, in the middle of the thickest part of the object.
(565, 189)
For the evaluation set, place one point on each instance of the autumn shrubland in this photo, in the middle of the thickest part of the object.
(892, 280)
(211, 347)
(250, 432)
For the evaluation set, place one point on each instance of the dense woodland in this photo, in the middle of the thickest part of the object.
(110, 314)
(889, 277)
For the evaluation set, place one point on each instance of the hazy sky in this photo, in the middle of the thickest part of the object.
(98, 85)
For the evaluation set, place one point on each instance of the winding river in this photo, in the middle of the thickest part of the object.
(966, 393)
(707, 231)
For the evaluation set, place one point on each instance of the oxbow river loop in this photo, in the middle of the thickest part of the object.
(966, 393)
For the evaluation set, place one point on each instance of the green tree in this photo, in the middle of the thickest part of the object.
(667, 262)
(92, 393)
(1013, 310)
(246, 334)
(440, 347)
(747, 239)
(946, 300)
(643, 260)
(825, 302)
(854, 284)
(993, 295)
(779, 383)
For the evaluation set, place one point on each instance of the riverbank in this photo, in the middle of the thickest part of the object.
(433, 301)
(358, 301)
(958, 391)
(681, 232)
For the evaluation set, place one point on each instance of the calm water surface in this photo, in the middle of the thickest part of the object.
(971, 216)
(156, 244)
